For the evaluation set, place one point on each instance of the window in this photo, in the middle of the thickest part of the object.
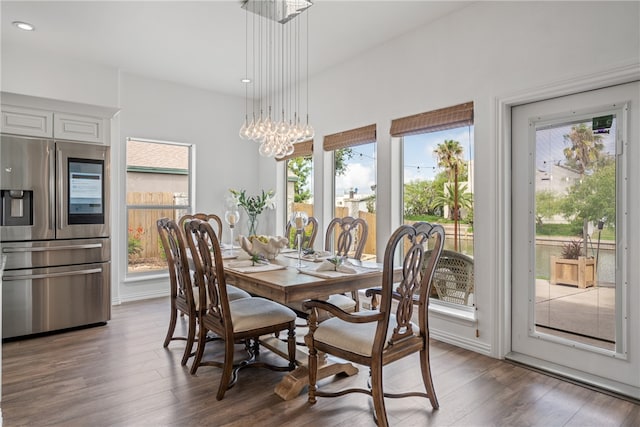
(158, 185)
(438, 186)
(575, 196)
(354, 155)
(299, 180)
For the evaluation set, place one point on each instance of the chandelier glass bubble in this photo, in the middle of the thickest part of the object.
(276, 58)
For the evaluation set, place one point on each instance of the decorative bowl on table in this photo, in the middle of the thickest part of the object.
(266, 246)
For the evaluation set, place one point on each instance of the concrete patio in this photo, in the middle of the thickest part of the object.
(585, 315)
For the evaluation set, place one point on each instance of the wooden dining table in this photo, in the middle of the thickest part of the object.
(289, 285)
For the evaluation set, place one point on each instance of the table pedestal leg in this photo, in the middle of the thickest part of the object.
(293, 383)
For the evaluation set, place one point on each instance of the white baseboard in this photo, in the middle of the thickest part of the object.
(459, 341)
(139, 296)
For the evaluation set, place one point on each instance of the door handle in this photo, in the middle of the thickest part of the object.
(52, 248)
(52, 275)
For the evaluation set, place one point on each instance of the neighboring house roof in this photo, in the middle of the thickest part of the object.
(157, 155)
(557, 179)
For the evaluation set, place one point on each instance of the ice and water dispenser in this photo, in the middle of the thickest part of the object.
(17, 207)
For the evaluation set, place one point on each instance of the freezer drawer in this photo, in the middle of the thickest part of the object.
(49, 299)
(37, 254)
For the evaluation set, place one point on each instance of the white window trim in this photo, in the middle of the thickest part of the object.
(191, 207)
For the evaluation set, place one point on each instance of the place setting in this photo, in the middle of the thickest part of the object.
(338, 266)
(257, 253)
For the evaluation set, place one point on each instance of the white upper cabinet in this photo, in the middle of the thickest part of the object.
(48, 124)
(26, 121)
(78, 128)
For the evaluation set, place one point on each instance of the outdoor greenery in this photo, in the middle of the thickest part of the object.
(591, 198)
(584, 150)
(572, 249)
(448, 198)
(134, 246)
(547, 205)
(341, 157)
(302, 167)
(427, 198)
(594, 197)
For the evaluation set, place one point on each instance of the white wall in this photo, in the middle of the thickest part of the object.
(485, 51)
(43, 74)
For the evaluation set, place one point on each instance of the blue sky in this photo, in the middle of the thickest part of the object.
(361, 171)
(550, 143)
(419, 161)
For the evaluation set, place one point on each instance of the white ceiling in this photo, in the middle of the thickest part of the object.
(202, 44)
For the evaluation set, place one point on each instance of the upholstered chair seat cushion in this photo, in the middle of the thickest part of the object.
(255, 313)
(233, 294)
(355, 337)
(344, 302)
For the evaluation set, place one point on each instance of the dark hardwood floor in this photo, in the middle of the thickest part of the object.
(120, 374)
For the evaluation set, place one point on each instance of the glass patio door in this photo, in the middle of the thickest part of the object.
(572, 199)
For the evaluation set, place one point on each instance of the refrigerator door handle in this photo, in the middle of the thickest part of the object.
(51, 275)
(52, 248)
(61, 195)
(52, 192)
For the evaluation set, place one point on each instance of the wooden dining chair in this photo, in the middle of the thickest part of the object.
(346, 237)
(232, 291)
(211, 218)
(183, 297)
(308, 238)
(243, 320)
(378, 337)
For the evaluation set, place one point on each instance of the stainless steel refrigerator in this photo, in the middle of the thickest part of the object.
(54, 231)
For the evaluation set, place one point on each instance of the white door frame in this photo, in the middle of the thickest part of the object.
(501, 111)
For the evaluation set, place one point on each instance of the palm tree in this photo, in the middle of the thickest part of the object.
(583, 155)
(449, 155)
(447, 198)
(584, 148)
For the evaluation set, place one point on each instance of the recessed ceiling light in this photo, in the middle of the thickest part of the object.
(25, 26)
(246, 80)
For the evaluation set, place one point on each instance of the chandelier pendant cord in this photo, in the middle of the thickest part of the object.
(276, 63)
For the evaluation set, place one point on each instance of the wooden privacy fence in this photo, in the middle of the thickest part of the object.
(145, 220)
(342, 211)
(370, 219)
(303, 207)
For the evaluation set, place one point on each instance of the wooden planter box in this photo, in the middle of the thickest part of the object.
(579, 272)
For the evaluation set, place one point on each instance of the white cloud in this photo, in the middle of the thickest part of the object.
(357, 176)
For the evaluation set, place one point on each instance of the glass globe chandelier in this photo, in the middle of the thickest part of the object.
(276, 47)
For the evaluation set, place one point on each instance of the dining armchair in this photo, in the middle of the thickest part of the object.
(377, 338)
(308, 238)
(243, 320)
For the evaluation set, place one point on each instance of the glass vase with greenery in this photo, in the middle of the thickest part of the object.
(254, 206)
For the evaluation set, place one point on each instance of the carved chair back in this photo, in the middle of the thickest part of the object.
(346, 236)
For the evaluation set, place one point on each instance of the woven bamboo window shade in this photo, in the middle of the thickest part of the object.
(434, 121)
(300, 149)
(350, 138)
